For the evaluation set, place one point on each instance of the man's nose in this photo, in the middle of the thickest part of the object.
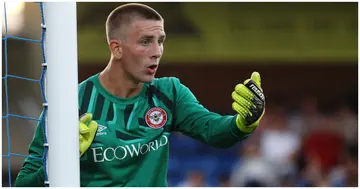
(157, 53)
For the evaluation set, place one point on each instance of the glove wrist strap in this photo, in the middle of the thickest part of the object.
(242, 127)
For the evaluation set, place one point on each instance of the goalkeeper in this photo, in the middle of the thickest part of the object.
(128, 115)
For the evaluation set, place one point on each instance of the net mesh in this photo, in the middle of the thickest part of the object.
(7, 114)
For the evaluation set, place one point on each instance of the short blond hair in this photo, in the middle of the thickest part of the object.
(121, 17)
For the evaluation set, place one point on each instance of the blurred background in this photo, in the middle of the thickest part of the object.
(306, 53)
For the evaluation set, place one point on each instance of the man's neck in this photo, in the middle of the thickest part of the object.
(114, 80)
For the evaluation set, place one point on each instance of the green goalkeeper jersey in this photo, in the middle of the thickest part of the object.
(131, 146)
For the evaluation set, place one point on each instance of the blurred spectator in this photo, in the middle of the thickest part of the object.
(348, 123)
(224, 180)
(325, 147)
(278, 143)
(309, 172)
(194, 178)
(306, 117)
(346, 173)
(253, 170)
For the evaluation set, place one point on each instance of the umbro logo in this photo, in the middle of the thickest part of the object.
(100, 130)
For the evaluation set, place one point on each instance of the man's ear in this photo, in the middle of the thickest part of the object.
(115, 48)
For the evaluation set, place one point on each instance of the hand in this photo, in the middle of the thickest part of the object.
(249, 103)
(87, 131)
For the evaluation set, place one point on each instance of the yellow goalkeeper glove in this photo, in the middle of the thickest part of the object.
(249, 103)
(87, 131)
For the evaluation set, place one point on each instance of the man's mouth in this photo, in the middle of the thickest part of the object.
(152, 68)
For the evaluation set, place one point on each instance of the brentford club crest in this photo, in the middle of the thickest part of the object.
(156, 117)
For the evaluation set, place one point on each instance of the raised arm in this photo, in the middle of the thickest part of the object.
(194, 120)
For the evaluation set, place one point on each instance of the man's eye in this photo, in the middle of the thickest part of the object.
(145, 42)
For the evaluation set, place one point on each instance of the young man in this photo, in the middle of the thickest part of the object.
(128, 114)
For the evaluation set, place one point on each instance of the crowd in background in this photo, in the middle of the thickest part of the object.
(305, 146)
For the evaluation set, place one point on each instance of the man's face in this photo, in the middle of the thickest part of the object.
(143, 49)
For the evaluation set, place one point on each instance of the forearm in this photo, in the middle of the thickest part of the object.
(29, 178)
(224, 133)
(215, 130)
(194, 120)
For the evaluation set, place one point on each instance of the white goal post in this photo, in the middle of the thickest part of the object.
(63, 165)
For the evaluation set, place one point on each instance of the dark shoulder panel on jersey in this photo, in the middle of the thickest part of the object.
(128, 109)
(99, 105)
(85, 91)
(90, 100)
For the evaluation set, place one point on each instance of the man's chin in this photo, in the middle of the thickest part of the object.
(148, 79)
